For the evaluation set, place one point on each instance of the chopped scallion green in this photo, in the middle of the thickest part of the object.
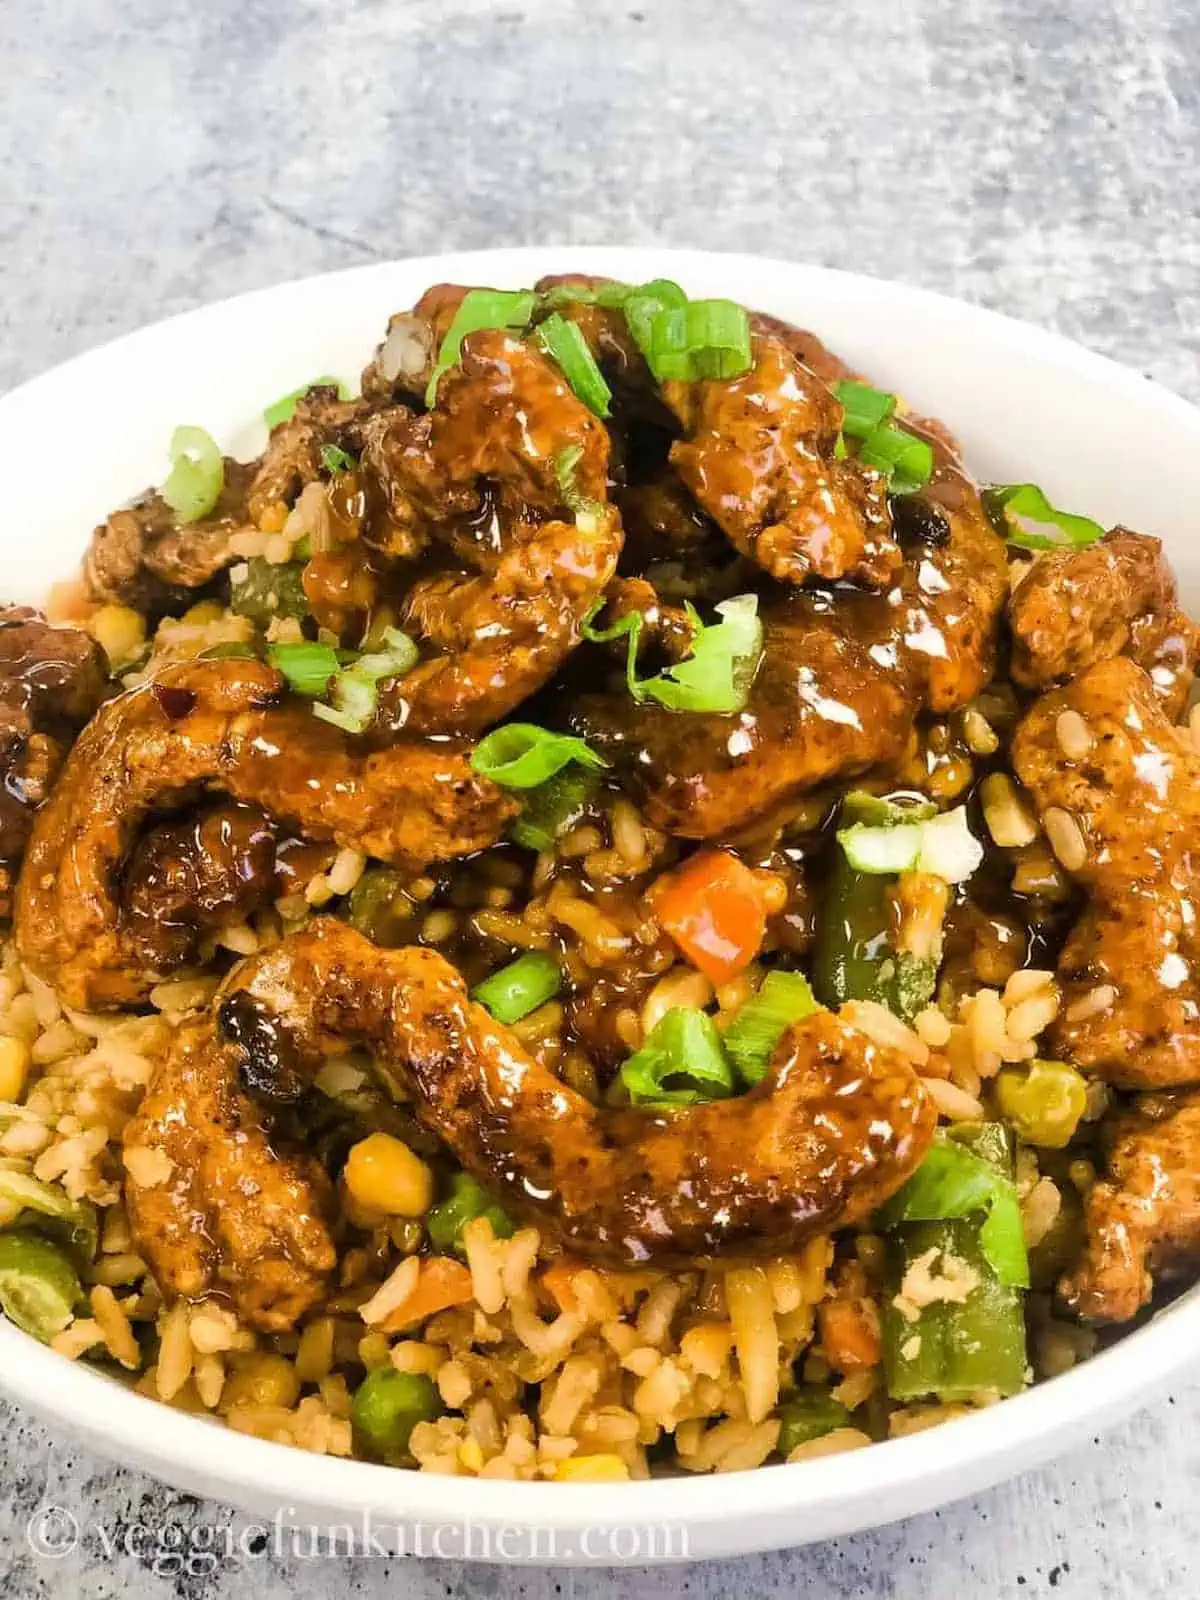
(681, 1061)
(354, 684)
(521, 987)
(628, 626)
(336, 460)
(197, 474)
(943, 846)
(715, 677)
(399, 655)
(480, 308)
(751, 1038)
(355, 700)
(284, 409)
(1029, 520)
(563, 340)
(520, 755)
(566, 464)
(906, 460)
(866, 408)
(307, 667)
(645, 303)
(702, 339)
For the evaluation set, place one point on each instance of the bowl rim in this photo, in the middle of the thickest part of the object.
(890, 1479)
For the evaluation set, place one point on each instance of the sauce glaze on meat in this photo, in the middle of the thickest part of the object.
(494, 518)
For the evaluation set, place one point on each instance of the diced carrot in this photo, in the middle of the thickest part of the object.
(68, 601)
(443, 1282)
(715, 909)
(850, 1333)
(559, 1280)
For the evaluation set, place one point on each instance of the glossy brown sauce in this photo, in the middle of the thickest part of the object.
(199, 800)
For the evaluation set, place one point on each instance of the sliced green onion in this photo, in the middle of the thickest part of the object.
(520, 755)
(39, 1288)
(355, 700)
(387, 1406)
(399, 656)
(715, 677)
(521, 987)
(354, 689)
(613, 295)
(284, 409)
(564, 341)
(480, 308)
(335, 460)
(703, 339)
(466, 1201)
(682, 1061)
(647, 301)
(882, 851)
(725, 656)
(627, 626)
(307, 667)
(952, 1182)
(1031, 522)
(751, 1038)
(197, 474)
(866, 408)
(907, 460)
(566, 464)
(680, 338)
(554, 806)
(943, 846)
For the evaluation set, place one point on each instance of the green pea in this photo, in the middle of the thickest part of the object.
(380, 909)
(1043, 1101)
(466, 1201)
(387, 1406)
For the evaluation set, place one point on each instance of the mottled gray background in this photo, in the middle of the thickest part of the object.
(1035, 155)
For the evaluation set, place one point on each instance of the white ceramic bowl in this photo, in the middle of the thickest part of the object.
(1027, 405)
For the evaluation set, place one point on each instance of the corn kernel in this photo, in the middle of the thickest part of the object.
(14, 1066)
(591, 1469)
(383, 1174)
(273, 517)
(202, 613)
(119, 631)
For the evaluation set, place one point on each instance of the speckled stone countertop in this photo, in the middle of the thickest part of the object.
(1038, 156)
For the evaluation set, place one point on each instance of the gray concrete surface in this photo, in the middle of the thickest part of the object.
(1039, 156)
